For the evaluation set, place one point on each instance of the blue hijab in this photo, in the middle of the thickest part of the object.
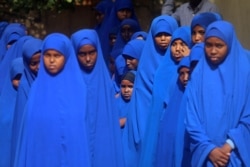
(30, 47)
(142, 34)
(210, 122)
(7, 106)
(3, 25)
(111, 22)
(196, 53)
(164, 84)
(54, 121)
(143, 87)
(204, 19)
(167, 152)
(102, 115)
(120, 42)
(13, 52)
(12, 32)
(133, 49)
(104, 7)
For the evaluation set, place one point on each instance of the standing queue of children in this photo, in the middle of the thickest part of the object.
(176, 96)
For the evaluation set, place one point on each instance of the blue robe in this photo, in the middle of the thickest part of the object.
(218, 102)
(7, 107)
(143, 87)
(102, 117)
(164, 84)
(53, 130)
(168, 150)
(30, 47)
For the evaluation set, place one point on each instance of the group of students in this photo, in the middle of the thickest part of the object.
(118, 96)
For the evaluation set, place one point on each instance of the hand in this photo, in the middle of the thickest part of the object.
(185, 50)
(218, 157)
(226, 148)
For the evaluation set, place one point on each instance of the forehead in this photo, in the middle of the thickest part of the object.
(52, 51)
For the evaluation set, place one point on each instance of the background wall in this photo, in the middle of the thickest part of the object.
(237, 12)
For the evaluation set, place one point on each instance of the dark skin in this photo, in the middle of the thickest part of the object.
(194, 3)
(219, 156)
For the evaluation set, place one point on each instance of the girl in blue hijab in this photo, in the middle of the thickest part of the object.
(164, 84)
(31, 59)
(122, 9)
(152, 54)
(199, 24)
(102, 119)
(53, 130)
(168, 150)
(7, 106)
(11, 34)
(218, 101)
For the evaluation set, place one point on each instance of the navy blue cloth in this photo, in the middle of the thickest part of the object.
(112, 22)
(218, 101)
(120, 41)
(164, 84)
(53, 130)
(30, 47)
(102, 113)
(7, 107)
(166, 151)
(143, 87)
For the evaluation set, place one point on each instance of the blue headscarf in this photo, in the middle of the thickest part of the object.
(102, 115)
(120, 42)
(164, 83)
(54, 119)
(142, 34)
(211, 121)
(7, 106)
(30, 47)
(134, 48)
(112, 22)
(167, 152)
(103, 7)
(196, 53)
(12, 32)
(13, 52)
(3, 25)
(204, 19)
(143, 87)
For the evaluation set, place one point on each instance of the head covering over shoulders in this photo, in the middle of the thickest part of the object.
(7, 106)
(54, 121)
(228, 84)
(164, 82)
(102, 115)
(143, 87)
(30, 47)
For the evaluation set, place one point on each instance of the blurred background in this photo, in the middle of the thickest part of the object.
(42, 17)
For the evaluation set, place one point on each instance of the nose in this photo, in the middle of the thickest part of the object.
(87, 58)
(52, 59)
(186, 77)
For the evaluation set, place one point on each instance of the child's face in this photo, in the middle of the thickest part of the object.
(198, 34)
(34, 63)
(127, 32)
(162, 40)
(131, 63)
(216, 50)
(87, 56)
(53, 61)
(184, 73)
(178, 49)
(124, 14)
(126, 89)
(16, 81)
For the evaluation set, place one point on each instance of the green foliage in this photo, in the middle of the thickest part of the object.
(41, 5)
